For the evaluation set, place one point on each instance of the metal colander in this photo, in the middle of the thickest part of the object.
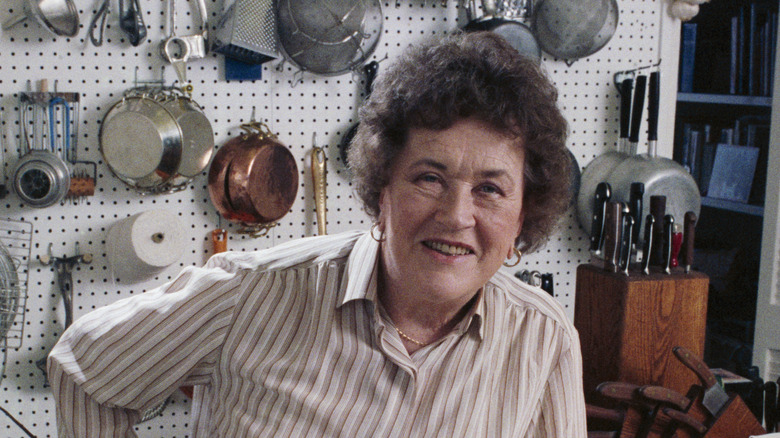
(572, 29)
(328, 37)
(247, 32)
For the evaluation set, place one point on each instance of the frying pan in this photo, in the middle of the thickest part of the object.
(573, 29)
(600, 167)
(370, 71)
(517, 34)
(253, 179)
(661, 176)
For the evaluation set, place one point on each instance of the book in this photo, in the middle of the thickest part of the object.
(687, 57)
(732, 172)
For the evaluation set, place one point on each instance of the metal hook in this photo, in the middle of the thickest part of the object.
(618, 77)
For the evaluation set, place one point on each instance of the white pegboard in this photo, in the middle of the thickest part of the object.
(322, 105)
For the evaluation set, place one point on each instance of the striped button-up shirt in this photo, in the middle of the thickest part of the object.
(291, 341)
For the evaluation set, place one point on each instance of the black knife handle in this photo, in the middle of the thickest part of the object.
(649, 243)
(770, 406)
(689, 228)
(658, 210)
(601, 196)
(667, 243)
(625, 106)
(635, 205)
(637, 108)
(653, 99)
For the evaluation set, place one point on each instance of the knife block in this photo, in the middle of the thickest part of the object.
(628, 326)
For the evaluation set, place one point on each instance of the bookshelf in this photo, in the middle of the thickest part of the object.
(726, 73)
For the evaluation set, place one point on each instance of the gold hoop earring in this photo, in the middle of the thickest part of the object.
(381, 234)
(519, 255)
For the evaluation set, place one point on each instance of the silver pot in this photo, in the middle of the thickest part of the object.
(141, 142)
(197, 138)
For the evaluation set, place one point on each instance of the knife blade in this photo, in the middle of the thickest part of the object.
(648, 244)
(658, 210)
(689, 229)
(612, 224)
(637, 110)
(714, 397)
(667, 243)
(600, 197)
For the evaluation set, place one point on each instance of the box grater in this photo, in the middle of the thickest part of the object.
(247, 32)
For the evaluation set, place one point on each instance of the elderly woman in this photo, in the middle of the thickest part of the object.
(408, 330)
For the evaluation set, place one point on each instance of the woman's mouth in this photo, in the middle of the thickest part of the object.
(444, 248)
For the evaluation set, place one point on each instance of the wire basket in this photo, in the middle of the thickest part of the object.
(15, 247)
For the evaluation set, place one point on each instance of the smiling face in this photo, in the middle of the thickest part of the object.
(451, 211)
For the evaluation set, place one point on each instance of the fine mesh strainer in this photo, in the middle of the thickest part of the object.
(573, 29)
(328, 37)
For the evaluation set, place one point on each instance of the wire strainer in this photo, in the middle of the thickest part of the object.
(573, 29)
(328, 37)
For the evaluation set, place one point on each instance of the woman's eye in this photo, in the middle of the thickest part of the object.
(489, 189)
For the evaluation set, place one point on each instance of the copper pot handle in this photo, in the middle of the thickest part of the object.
(318, 178)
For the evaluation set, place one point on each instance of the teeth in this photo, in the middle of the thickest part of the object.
(448, 249)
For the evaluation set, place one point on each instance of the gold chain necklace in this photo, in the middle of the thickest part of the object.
(410, 339)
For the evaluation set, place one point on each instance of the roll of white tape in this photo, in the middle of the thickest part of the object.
(144, 244)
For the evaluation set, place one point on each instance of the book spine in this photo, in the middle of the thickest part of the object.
(687, 56)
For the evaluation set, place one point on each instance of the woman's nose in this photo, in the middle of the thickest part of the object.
(457, 209)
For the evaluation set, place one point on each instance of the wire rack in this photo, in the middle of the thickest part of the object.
(15, 244)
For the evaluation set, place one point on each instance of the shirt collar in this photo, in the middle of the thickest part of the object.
(361, 279)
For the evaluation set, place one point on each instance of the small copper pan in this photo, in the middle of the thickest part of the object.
(253, 179)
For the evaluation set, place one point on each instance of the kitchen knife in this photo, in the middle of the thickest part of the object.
(685, 420)
(635, 205)
(626, 244)
(714, 397)
(648, 244)
(658, 210)
(689, 229)
(600, 197)
(637, 110)
(667, 243)
(661, 394)
(677, 239)
(619, 391)
(612, 227)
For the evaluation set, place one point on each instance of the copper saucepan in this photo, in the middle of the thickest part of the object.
(253, 179)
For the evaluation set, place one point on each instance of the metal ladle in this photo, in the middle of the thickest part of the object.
(58, 16)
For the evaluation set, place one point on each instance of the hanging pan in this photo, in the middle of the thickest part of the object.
(328, 38)
(517, 34)
(141, 142)
(370, 70)
(253, 179)
(573, 29)
(660, 176)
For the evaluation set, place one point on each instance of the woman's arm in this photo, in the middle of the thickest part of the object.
(130, 356)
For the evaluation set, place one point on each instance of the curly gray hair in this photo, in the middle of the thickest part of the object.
(460, 76)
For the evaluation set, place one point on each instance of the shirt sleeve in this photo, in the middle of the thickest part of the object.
(562, 413)
(130, 356)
